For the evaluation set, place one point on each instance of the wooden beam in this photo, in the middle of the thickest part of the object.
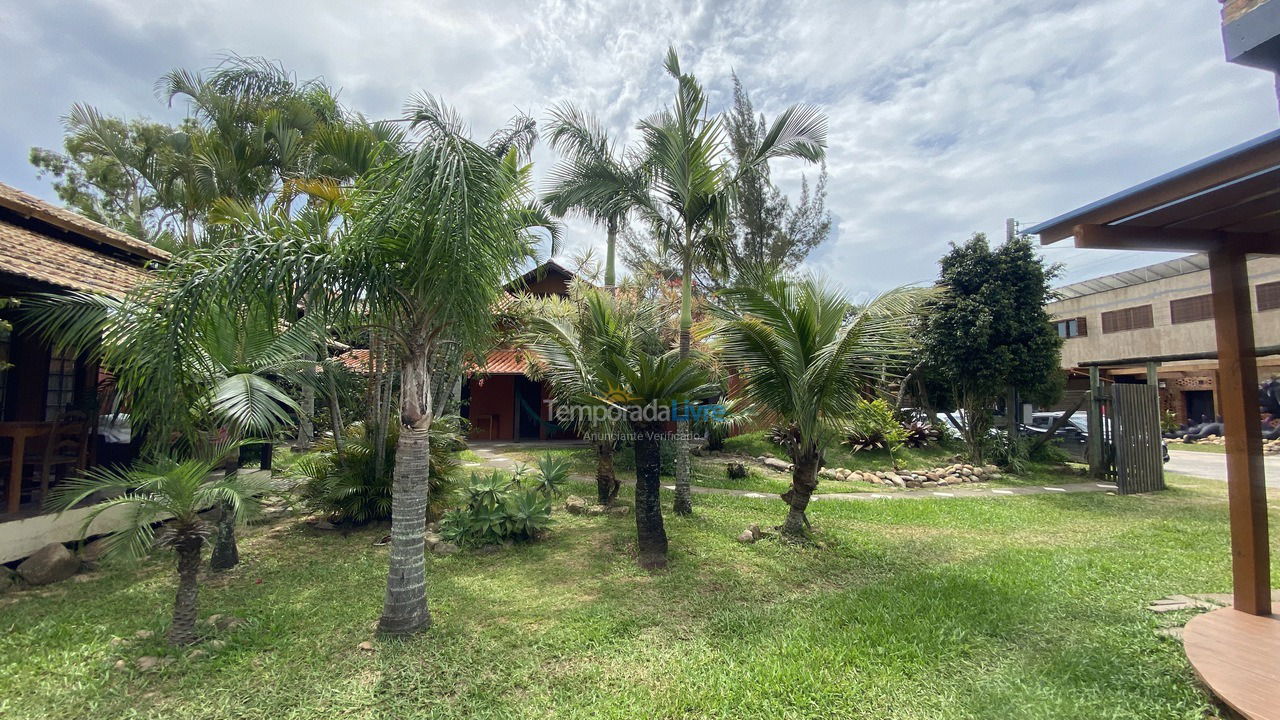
(1238, 395)
(1128, 237)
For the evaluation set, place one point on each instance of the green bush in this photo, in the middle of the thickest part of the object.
(875, 425)
(348, 488)
(495, 508)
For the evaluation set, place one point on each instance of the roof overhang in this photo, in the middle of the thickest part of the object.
(1228, 200)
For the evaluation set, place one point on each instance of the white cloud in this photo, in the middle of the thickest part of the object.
(946, 116)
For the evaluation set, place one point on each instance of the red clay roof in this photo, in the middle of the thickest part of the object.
(504, 361)
(31, 206)
(39, 257)
(355, 360)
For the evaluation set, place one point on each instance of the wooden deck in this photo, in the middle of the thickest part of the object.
(1237, 656)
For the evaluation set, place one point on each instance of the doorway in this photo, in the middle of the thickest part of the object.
(528, 409)
(1199, 405)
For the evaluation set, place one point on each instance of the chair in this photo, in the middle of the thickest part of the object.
(65, 447)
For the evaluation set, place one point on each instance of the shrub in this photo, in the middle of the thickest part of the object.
(874, 425)
(736, 470)
(496, 508)
(919, 434)
(350, 491)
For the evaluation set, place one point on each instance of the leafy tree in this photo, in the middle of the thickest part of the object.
(989, 333)
(175, 493)
(807, 358)
(766, 230)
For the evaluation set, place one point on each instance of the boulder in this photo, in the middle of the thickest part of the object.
(930, 484)
(829, 473)
(596, 510)
(432, 539)
(746, 537)
(50, 564)
(365, 646)
(445, 549)
(575, 505)
(895, 480)
(619, 510)
(91, 553)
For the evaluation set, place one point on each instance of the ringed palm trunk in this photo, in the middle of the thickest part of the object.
(185, 609)
(404, 608)
(611, 243)
(226, 553)
(804, 480)
(606, 480)
(651, 535)
(684, 497)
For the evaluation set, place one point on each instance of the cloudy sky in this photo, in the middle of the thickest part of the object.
(947, 116)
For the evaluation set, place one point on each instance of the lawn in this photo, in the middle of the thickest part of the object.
(1027, 607)
(1197, 447)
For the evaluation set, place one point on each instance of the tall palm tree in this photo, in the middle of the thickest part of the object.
(692, 189)
(439, 230)
(172, 492)
(574, 343)
(593, 178)
(806, 357)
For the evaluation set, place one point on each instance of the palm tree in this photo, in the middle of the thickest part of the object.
(170, 492)
(643, 385)
(692, 189)
(574, 343)
(806, 357)
(593, 179)
(440, 229)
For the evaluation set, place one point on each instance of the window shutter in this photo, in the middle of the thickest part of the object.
(1082, 327)
(1268, 296)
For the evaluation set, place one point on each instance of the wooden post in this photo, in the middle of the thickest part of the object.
(1238, 392)
(1096, 465)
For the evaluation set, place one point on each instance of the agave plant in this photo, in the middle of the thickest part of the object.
(553, 473)
(528, 513)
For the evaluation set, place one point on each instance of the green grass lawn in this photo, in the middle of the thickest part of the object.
(1027, 607)
(1197, 447)
(756, 444)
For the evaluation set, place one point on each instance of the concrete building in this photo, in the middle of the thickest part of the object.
(1159, 311)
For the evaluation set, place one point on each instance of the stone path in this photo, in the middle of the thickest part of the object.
(492, 458)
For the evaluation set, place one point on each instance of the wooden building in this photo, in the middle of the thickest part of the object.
(49, 403)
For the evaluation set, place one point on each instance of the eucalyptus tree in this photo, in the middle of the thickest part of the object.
(806, 358)
(165, 491)
(438, 231)
(692, 188)
(594, 178)
(574, 343)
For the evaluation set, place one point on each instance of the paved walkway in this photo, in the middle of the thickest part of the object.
(492, 459)
(1213, 465)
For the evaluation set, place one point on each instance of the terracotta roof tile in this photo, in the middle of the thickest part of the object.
(355, 360)
(32, 206)
(503, 361)
(40, 257)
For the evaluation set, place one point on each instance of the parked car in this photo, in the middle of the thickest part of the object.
(1076, 429)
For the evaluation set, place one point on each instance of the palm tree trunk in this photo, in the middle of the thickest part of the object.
(683, 504)
(804, 480)
(226, 554)
(651, 536)
(183, 629)
(306, 431)
(606, 481)
(335, 420)
(404, 608)
(610, 245)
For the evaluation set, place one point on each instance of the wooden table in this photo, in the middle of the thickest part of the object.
(1238, 656)
(19, 431)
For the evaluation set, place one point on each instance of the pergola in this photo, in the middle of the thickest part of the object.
(1228, 206)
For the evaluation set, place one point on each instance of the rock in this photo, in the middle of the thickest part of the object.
(197, 654)
(445, 548)
(50, 564)
(915, 484)
(930, 484)
(91, 553)
(828, 473)
(933, 475)
(144, 635)
(755, 531)
(8, 580)
(366, 646)
(489, 549)
(776, 464)
(746, 537)
(952, 479)
(213, 620)
(432, 539)
(117, 641)
(121, 665)
(227, 622)
(217, 644)
(147, 663)
(433, 526)
(595, 510)
(895, 480)
(575, 505)
(619, 510)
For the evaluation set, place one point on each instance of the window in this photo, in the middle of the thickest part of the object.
(1071, 327)
(1268, 296)
(1192, 309)
(60, 391)
(1134, 318)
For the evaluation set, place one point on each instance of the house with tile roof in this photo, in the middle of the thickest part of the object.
(49, 400)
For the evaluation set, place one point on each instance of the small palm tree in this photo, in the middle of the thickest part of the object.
(173, 493)
(643, 384)
(806, 357)
(574, 343)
